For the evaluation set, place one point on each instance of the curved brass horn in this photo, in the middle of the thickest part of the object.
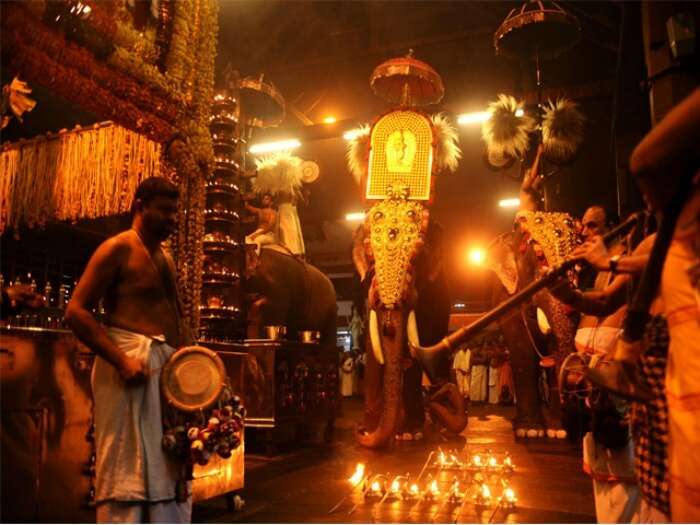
(431, 356)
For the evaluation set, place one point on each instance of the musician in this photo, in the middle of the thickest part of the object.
(135, 480)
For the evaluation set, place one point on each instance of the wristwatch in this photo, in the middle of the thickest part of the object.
(612, 263)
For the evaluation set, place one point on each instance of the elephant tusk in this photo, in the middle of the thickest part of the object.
(374, 338)
(412, 329)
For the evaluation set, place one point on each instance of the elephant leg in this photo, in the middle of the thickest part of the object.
(564, 330)
(414, 413)
(524, 362)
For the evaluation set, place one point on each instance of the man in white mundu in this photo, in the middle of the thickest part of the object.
(135, 480)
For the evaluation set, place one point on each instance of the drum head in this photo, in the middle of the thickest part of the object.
(192, 378)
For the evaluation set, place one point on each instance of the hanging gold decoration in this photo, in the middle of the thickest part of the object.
(78, 174)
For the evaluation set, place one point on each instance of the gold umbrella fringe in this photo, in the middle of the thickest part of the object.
(80, 174)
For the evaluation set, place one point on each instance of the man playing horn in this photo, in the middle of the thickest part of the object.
(135, 480)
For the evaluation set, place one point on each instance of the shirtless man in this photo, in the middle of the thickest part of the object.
(267, 221)
(136, 278)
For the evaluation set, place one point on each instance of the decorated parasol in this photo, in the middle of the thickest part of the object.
(407, 81)
(264, 104)
(538, 30)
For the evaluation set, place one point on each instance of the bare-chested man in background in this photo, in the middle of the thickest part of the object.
(135, 481)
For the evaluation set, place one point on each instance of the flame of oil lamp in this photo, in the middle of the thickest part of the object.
(396, 486)
(376, 487)
(442, 459)
(455, 493)
(483, 495)
(433, 489)
(413, 491)
(476, 461)
(509, 498)
(358, 475)
(492, 462)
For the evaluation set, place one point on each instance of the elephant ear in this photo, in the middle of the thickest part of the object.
(501, 260)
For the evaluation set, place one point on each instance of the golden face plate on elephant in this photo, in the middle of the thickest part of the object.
(401, 157)
(396, 227)
(555, 232)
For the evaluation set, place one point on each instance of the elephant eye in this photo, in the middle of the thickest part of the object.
(411, 214)
(378, 215)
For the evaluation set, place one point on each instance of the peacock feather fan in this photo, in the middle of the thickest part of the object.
(447, 153)
(562, 129)
(505, 134)
(356, 154)
(279, 173)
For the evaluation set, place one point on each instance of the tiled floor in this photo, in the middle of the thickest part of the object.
(302, 484)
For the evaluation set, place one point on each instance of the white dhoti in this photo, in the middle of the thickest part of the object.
(478, 384)
(259, 238)
(290, 228)
(617, 495)
(131, 466)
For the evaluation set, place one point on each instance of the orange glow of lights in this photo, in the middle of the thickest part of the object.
(476, 460)
(358, 475)
(376, 487)
(414, 489)
(330, 120)
(509, 495)
(492, 462)
(477, 256)
(395, 486)
(485, 491)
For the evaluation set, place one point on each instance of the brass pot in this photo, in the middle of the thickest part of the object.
(275, 332)
(309, 336)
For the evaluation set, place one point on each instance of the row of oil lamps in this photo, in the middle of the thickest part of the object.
(487, 463)
(380, 487)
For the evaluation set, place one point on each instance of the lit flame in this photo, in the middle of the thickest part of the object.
(492, 462)
(476, 460)
(509, 495)
(376, 487)
(358, 475)
(485, 491)
(434, 489)
(455, 487)
(453, 459)
(414, 489)
(395, 486)
(507, 461)
(442, 459)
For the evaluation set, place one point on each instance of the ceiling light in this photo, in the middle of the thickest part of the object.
(477, 256)
(268, 147)
(329, 120)
(473, 118)
(355, 216)
(509, 203)
(479, 117)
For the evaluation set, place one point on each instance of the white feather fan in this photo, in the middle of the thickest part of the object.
(505, 134)
(562, 129)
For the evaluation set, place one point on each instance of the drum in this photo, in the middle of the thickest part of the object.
(192, 379)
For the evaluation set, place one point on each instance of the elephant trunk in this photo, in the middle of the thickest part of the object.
(392, 340)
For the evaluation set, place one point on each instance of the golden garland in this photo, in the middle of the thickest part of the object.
(79, 174)
(555, 232)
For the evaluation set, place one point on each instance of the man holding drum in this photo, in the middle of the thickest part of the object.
(135, 480)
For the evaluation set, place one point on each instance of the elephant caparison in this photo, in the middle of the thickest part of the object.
(397, 254)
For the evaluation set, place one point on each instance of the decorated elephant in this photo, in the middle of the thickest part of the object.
(396, 252)
(292, 293)
(540, 333)
(393, 398)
